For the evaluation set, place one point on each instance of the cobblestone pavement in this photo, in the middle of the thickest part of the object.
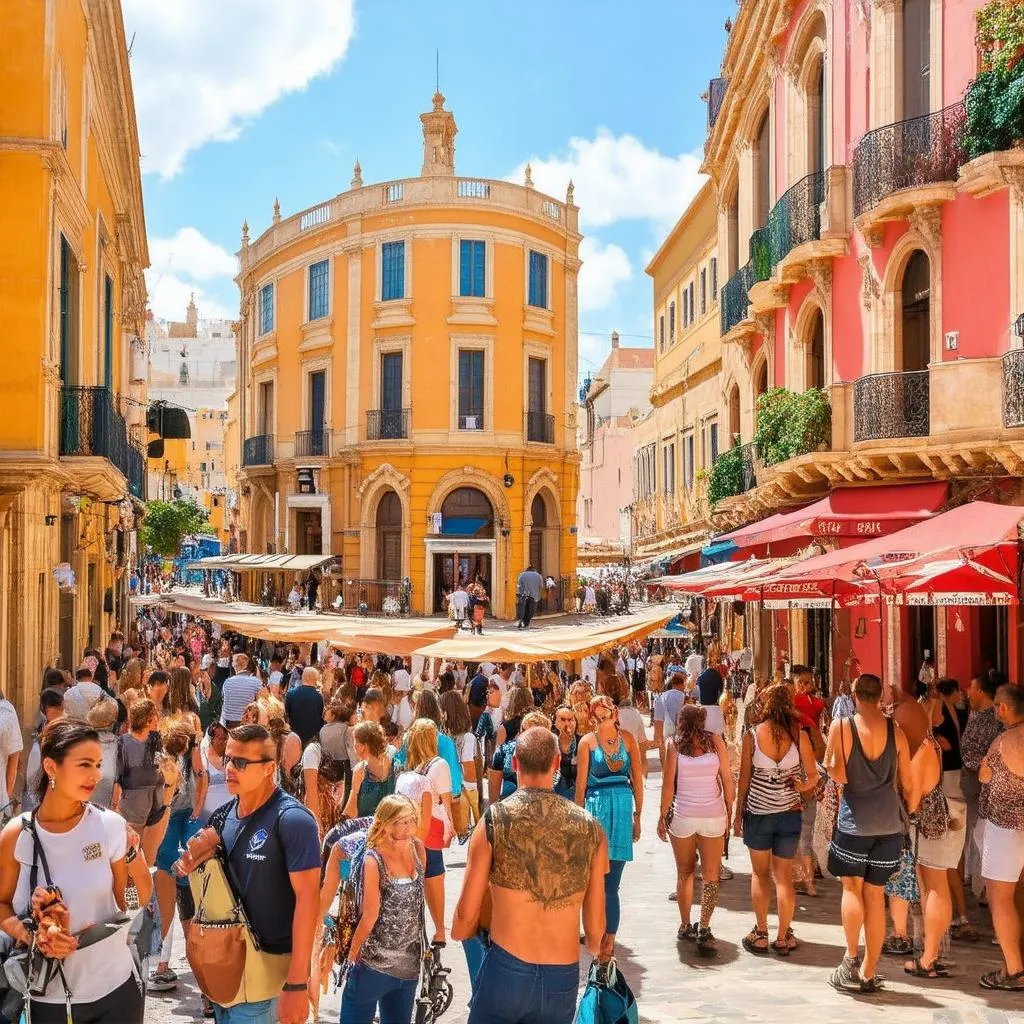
(672, 985)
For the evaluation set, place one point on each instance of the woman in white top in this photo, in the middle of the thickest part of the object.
(212, 750)
(459, 726)
(91, 855)
(428, 783)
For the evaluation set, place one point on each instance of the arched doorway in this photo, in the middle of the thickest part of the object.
(916, 314)
(734, 415)
(760, 385)
(389, 537)
(815, 370)
(538, 521)
(467, 528)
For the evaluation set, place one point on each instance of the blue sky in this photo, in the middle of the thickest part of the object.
(240, 101)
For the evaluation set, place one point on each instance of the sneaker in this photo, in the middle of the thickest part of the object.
(725, 874)
(163, 981)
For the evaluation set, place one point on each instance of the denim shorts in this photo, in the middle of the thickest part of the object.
(435, 863)
(779, 832)
(181, 827)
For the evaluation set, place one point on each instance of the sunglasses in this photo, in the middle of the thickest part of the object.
(241, 763)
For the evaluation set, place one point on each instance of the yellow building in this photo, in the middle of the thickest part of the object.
(72, 301)
(679, 440)
(407, 374)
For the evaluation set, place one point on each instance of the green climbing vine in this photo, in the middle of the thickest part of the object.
(726, 476)
(1000, 34)
(791, 424)
(995, 99)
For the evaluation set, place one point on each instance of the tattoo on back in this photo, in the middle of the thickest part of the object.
(543, 845)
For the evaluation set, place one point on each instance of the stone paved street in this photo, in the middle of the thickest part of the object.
(673, 985)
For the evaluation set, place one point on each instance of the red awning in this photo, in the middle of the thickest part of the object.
(980, 532)
(847, 512)
(698, 581)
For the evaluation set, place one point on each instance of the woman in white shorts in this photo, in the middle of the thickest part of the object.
(696, 806)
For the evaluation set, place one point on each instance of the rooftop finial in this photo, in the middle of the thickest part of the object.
(277, 210)
(570, 193)
(528, 177)
(439, 132)
(357, 176)
(245, 232)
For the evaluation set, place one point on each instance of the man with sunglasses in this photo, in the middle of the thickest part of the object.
(273, 856)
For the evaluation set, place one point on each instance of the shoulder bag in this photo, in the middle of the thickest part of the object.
(607, 999)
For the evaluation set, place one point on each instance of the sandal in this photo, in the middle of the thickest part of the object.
(918, 970)
(898, 945)
(687, 933)
(846, 977)
(752, 942)
(963, 932)
(1002, 981)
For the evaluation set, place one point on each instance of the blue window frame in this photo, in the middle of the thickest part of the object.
(392, 266)
(319, 277)
(266, 309)
(538, 280)
(472, 268)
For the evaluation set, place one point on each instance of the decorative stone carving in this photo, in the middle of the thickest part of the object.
(871, 287)
(276, 219)
(357, 176)
(820, 272)
(570, 193)
(927, 222)
(245, 234)
(1014, 178)
(528, 177)
(873, 234)
(387, 473)
(765, 323)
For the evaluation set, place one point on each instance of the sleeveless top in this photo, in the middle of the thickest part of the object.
(769, 791)
(1002, 799)
(373, 790)
(394, 947)
(870, 805)
(610, 798)
(950, 729)
(698, 789)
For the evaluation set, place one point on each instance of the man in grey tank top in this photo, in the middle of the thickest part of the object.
(869, 756)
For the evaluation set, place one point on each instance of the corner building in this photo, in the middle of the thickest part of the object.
(407, 378)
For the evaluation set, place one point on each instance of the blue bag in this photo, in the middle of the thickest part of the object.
(607, 1000)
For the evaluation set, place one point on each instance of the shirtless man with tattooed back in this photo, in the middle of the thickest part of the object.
(539, 861)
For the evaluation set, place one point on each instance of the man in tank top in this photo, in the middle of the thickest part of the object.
(869, 755)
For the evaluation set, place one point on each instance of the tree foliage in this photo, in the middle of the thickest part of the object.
(726, 476)
(167, 523)
(791, 424)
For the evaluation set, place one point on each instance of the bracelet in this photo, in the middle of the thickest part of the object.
(295, 986)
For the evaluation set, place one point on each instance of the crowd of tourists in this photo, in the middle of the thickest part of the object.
(329, 787)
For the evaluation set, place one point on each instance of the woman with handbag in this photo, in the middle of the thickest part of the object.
(387, 948)
(90, 856)
(428, 784)
(458, 726)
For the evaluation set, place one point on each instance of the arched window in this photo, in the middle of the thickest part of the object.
(916, 313)
(763, 173)
(816, 117)
(917, 45)
(815, 371)
(539, 520)
(760, 385)
(467, 512)
(734, 415)
(389, 537)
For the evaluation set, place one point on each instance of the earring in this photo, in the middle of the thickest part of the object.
(53, 782)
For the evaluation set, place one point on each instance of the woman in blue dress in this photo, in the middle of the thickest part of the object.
(610, 784)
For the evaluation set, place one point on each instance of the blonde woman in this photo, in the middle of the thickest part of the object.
(384, 959)
(428, 783)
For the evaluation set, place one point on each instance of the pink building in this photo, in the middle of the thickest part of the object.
(612, 402)
(871, 231)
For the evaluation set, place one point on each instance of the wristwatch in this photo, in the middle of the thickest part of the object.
(295, 986)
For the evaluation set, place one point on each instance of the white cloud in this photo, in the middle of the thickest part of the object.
(202, 70)
(605, 269)
(169, 296)
(192, 253)
(619, 178)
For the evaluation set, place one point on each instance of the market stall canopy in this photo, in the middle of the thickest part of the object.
(263, 563)
(847, 512)
(985, 533)
(551, 643)
(951, 581)
(699, 580)
(738, 585)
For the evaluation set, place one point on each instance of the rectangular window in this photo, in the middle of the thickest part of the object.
(688, 457)
(714, 278)
(471, 389)
(686, 310)
(266, 309)
(108, 332)
(672, 322)
(538, 280)
(392, 268)
(265, 408)
(391, 381)
(693, 308)
(668, 453)
(713, 442)
(537, 373)
(319, 276)
(472, 268)
(317, 398)
(68, 288)
(661, 332)
(703, 291)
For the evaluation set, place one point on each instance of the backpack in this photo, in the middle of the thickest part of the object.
(333, 754)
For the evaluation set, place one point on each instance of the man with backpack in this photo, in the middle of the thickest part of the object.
(270, 846)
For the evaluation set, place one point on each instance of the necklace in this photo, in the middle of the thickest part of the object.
(614, 756)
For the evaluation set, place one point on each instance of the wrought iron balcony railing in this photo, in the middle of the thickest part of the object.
(540, 427)
(733, 473)
(735, 298)
(925, 150)
(313, 444)
(889, 405)
(258, 450)
(793, 221)
(91, 426)
(387, 424)
(136, 472)
(716, 97)
(1013, 388)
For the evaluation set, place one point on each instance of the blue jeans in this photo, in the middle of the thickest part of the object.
(366, 989)
(474, 950)
(181, 827)
(264, 1012)
(612, 910)
(511, 991)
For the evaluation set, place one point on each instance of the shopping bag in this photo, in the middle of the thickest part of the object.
(607, 999)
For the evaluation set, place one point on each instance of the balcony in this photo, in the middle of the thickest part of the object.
(1013, 388)
(258, 451)
(136, 473)
(891, 405)
(716, 97)
(793, 221)
(540, 428)
(733, 473)
(313, 444)
(735, 298)
(92, 428)
(924, 153)
(387, 424)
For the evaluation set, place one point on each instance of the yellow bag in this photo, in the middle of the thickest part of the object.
(460, 813)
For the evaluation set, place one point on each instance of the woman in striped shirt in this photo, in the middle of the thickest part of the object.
(777, 768)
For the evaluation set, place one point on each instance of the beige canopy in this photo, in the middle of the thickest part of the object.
(263, 563)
